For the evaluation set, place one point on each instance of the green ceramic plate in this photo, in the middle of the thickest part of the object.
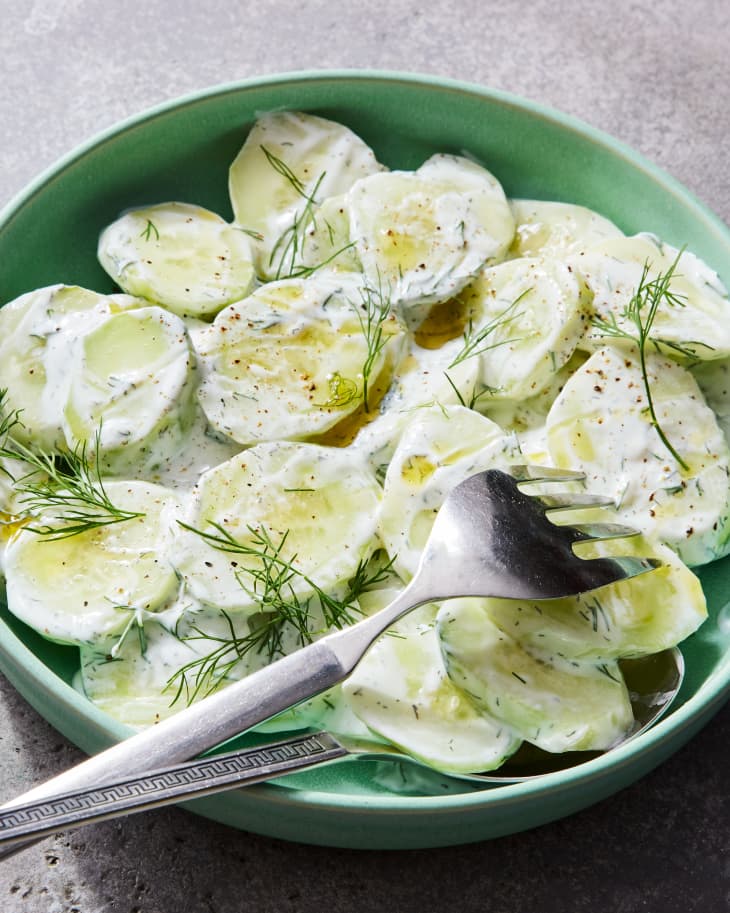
(182, 151)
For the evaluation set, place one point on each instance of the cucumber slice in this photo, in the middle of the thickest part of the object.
(713, 378)
(600, 425)
(132, 684)
(132, 384)
(401, 691)
(696, 325)
(161, 663)
(181, 256)
(441, 447)
(528, 316)
(317, 505)
(486, 197)
(81, 589)
(326, 242)
(39, 338)
(11, 508)
(425, 234)
(289, 362)
(527, 418)
(329, 710)
(290, 163)
(631, 618)
(557, 704)
(551, 229)
(10, 504)
(423, 378)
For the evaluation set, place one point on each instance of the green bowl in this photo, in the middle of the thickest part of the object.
(182, 151)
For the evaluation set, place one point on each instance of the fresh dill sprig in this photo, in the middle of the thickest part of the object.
(149, 230)
(475, 396)
(271, 581)
(456, 390)
(201, 676)
(252, 233)
(288, 248)
(70, 491)
(476, 342)
(604, 669)
(372, 312)
(641, 311)
(135, 622)
(8, 421)
(280, 167)
(65, 488)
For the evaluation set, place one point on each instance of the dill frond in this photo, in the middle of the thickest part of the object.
(477, 342)
(65, 489)
(641, 311)
(272, 581)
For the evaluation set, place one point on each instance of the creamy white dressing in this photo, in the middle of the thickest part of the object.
(431, 329)
(183, 257)
(200, 450)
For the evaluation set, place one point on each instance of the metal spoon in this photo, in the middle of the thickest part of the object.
(490, 538)
(653, 682)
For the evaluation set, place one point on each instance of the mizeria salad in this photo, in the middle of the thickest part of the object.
(245, 447)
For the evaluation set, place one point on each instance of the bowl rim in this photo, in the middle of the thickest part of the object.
(677, 725)
(500, 96)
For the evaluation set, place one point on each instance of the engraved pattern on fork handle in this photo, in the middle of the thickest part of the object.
(24, 823)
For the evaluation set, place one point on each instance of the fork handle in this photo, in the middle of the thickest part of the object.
(236, 708)
(205, 724)
(23, 824)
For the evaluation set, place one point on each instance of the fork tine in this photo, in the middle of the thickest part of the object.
(599, 531)
(524, 472)
(632, 567)
(507, 544)
(577, 501)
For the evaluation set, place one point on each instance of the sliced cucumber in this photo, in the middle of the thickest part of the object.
(11, 510)
(486, 197)
(181, 256)
(132, 684)
(290, 361)
(425, 234)
(527, 417)
(326, 242)
(290, 163)
(695, 325)
(82, 589)
(440, 447)
(163, 662)
(39, 339)
(713, 378)
(10, 506)
(329, 710)
(552, 229)
(600, 424)
(557, 704)
(316, 505)
(528, 316)
(423, 378)
(132, 384)
(635, 617)
(401, 691)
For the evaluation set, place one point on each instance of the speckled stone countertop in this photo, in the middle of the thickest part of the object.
(654, 74)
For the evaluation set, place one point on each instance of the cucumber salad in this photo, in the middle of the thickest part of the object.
(244, 447)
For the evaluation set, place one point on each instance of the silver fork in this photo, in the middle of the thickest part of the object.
(489, 538)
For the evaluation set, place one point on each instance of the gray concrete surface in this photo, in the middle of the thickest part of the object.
(653, 73)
